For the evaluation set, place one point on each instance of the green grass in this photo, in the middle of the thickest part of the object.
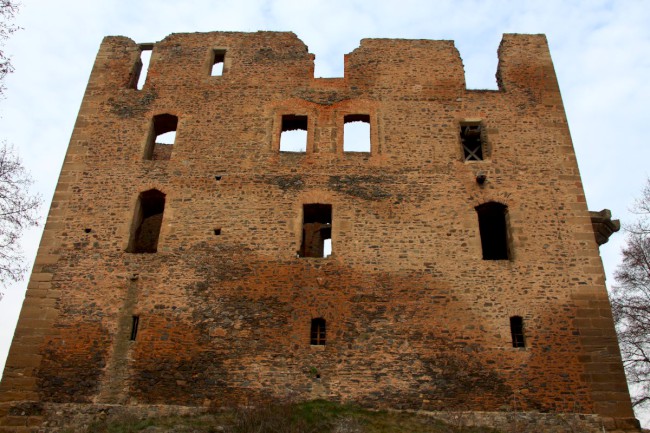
(311, 417)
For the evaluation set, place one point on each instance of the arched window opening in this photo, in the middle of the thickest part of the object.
(494, 232)
(356, 133)
(147, 221)
(517, 331)
(161, 137)
(318, 332)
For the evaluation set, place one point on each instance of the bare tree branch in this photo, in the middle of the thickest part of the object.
(631, 302)
(18, 211)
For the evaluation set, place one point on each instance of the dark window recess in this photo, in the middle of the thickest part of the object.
(517, 331)
(356, 133)
(494, 233)
(88, 230)
(161, 137)
(293, 133)
(134, 327)
(218, 177)
(471, 136)
(218, 58)
(316, 229)
(146, 222)
(217, 232)
(317, 332)
(141, 67)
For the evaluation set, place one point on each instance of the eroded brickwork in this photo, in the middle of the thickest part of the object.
(416, 319)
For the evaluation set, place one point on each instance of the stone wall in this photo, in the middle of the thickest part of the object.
(416, 319)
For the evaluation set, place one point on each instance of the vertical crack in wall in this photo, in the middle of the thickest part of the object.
(115, 384)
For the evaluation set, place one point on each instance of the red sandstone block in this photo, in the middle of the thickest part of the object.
(13, 420)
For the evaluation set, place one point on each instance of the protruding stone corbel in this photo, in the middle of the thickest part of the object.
(603, 224)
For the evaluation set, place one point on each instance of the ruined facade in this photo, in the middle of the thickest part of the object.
(451, 264)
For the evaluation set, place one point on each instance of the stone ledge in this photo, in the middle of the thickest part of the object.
(57, 417)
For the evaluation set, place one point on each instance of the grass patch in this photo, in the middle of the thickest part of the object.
(310, 417)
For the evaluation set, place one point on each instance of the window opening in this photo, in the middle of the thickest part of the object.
(316, 230)
(134, 327)
(218, 58)
(147, 222)
(356, 133)
(471, 136)
(162, 137)
(517, 331)
(217, 232)
(317, 332)
(494, 233)
(87, 230)
(293, 135)
(142, 67)
(327, 247)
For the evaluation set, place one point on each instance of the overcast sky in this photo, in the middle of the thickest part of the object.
(601, 51)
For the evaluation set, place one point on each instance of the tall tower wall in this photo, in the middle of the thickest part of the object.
(416, 313)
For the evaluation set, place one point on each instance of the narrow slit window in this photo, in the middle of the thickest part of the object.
(318, 332)
(471, 137)
(293, 134)
(218, 59)
(356, 133)
(135, 320)
(493, 229)
(316, 230)
(141, 68)
(517, 331)
(162, 136)
(145, 229)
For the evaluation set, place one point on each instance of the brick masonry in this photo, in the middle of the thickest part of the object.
(415, 318)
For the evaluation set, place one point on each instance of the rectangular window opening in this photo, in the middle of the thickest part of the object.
(517, 331)
(356, 133)
(471, 136)
(293, 133)
(493, 229)
(147, 222)
(141, 69)
(161, 140)
(218, 58)
(135, 320)
(217, 232)
(316, 230)
(318, 332)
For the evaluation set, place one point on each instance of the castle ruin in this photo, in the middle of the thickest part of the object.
(448, 262)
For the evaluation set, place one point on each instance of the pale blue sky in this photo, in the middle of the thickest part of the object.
(601, 51)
